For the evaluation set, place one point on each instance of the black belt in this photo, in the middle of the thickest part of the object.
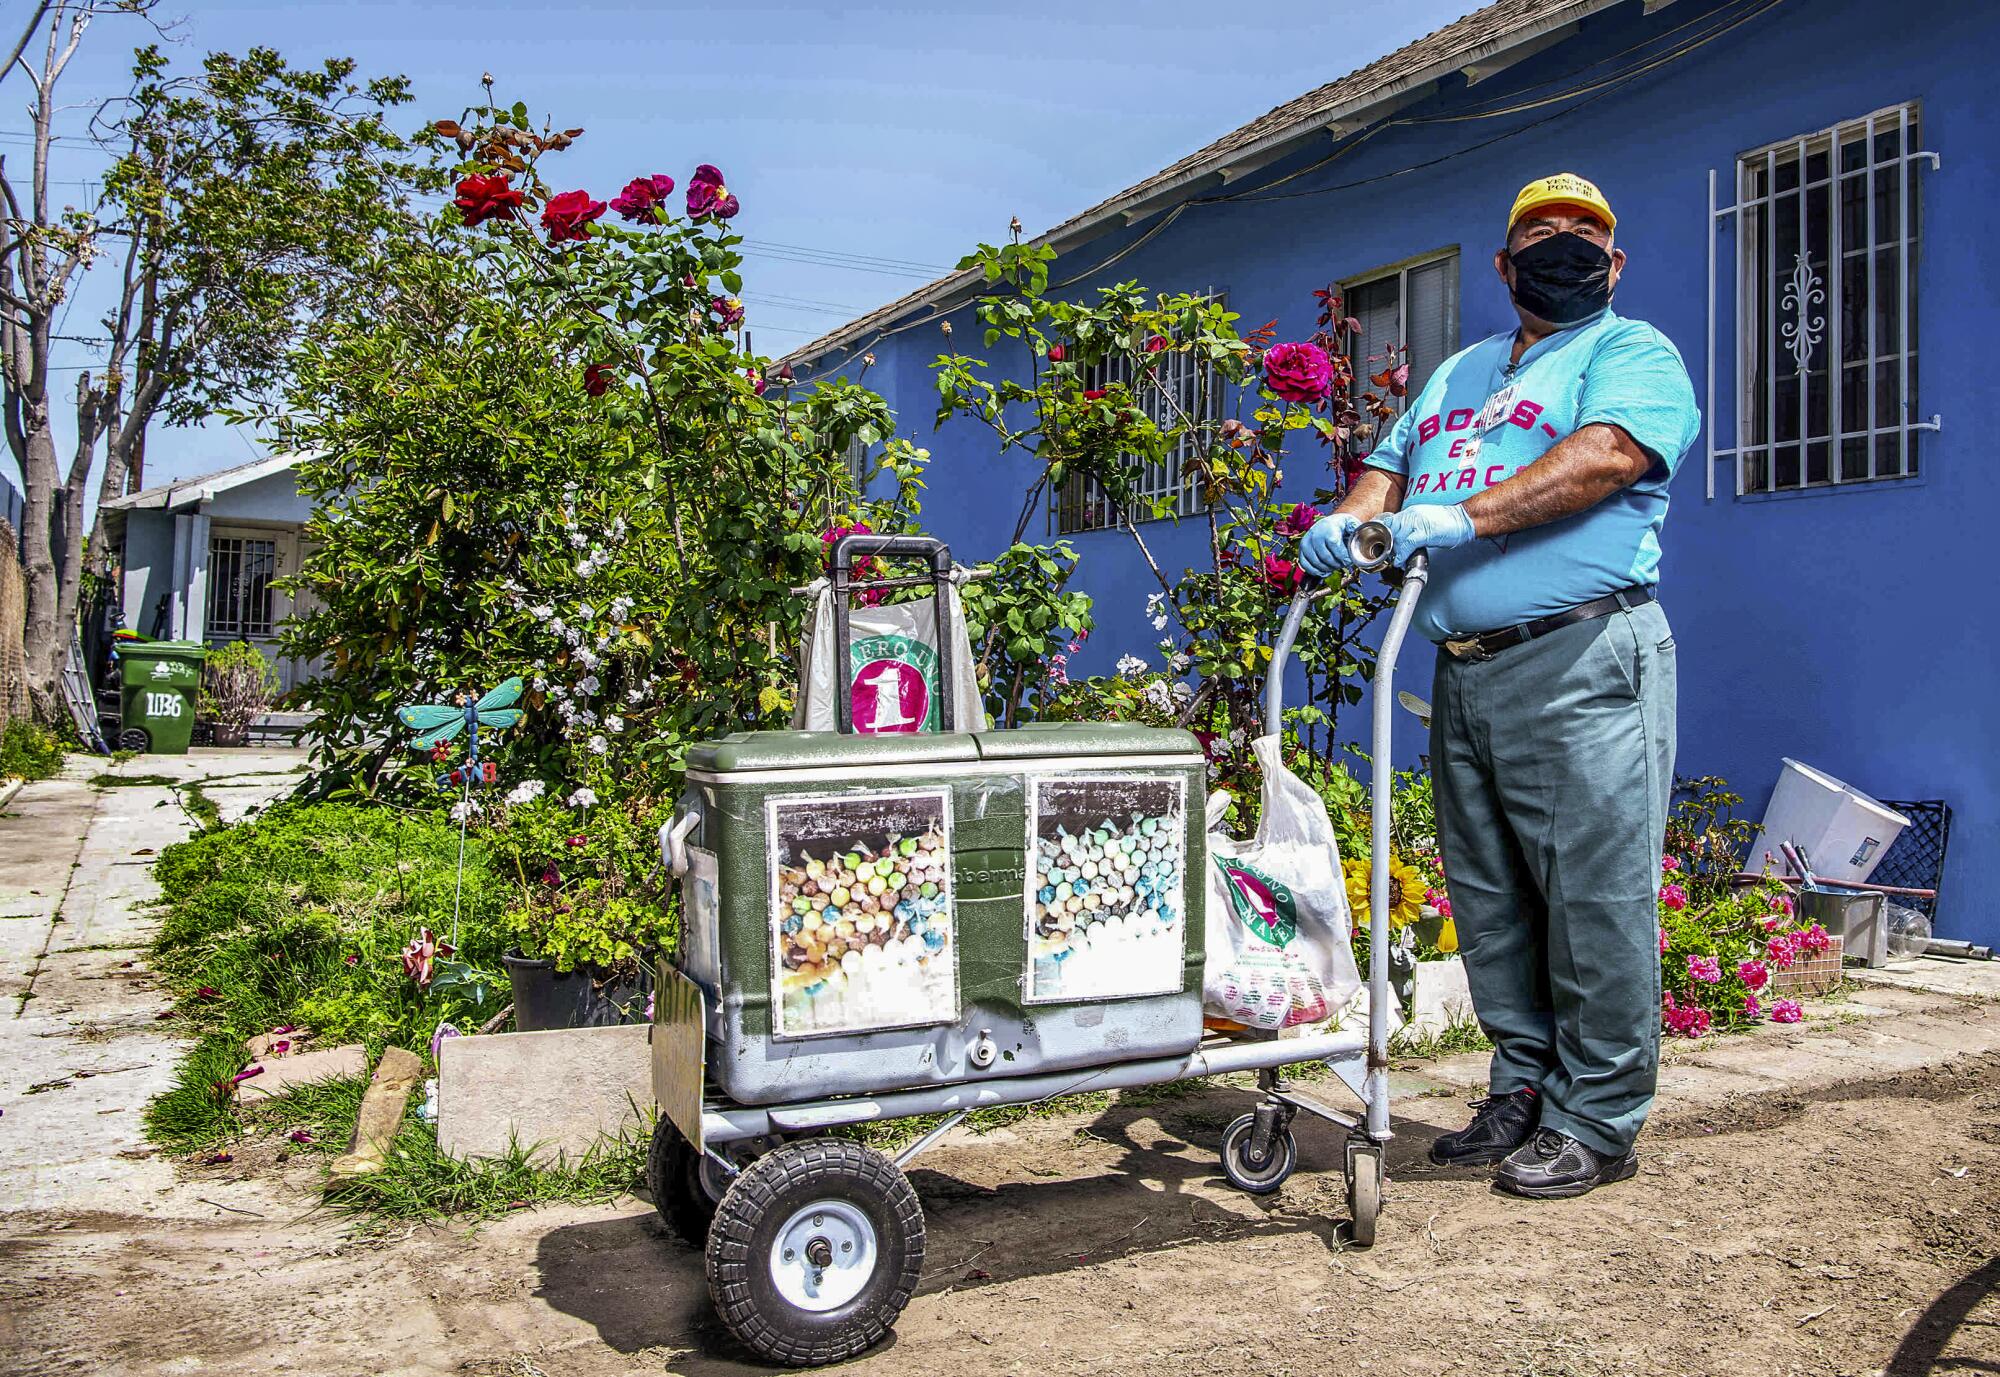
(1487, 644)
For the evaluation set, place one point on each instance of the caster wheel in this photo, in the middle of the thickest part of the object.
(686, 1185)
(814, 1251)
(1262, 1176)
(134, 739)
(1364, 1192)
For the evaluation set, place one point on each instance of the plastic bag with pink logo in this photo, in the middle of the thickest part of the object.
(1278, 920)
(893, 659)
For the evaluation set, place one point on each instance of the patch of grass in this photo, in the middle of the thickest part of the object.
(29, 751)
(196, 1114)
(420, 1182)
(1460, 1034)
(207, 814)
(107, 780)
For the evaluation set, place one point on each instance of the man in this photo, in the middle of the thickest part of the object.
(1534, 469)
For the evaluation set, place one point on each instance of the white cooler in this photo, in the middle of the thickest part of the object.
(1843, 832)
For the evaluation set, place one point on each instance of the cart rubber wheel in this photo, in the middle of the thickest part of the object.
(1364, 1192)
(683, 1182)
(135, 739)
(1258, 1178)
(814, 1251)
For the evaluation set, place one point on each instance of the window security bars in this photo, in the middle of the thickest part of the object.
(1408, 314)
(1826, 240)
(1182, 391)
(239, 587)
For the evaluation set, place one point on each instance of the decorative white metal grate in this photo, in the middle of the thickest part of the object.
(1826, 240)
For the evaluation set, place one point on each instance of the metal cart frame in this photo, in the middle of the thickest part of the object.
(708, 1151)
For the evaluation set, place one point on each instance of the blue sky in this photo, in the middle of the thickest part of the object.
(869, 144)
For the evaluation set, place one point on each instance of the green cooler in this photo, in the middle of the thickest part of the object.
(873, 913)
(161, 682)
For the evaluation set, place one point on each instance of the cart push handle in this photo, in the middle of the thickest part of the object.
(1371, 546)
(846, 552)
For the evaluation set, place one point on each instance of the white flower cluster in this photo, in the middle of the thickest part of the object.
(527, 791)
(1156, 608)
(582, 798)
(1131, 667)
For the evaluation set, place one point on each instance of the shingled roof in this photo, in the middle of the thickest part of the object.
(1480, 44)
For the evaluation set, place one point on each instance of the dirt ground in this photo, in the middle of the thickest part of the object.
(1852, 1229)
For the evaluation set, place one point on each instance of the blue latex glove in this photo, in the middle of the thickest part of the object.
(1324, 548)
(1428, 526)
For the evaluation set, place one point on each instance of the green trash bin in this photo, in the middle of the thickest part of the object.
(160, 680)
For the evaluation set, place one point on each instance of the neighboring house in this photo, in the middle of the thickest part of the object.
(12, 507)
(1804, 191)
(202, 556)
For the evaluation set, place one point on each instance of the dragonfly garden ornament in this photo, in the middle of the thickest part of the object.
(436, 724)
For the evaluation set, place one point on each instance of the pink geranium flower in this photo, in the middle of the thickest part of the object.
(1786, 1011)
(1783, 903)
(1781, 951)
(1815, 939)
(1673, 897)
(1663, 941)
(1706, 969)
(1669, 863)
(1752, 1008)
(1689, 1022)
(1755, 974)
(706, 195)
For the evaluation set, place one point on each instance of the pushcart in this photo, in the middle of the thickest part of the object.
(813, 1241)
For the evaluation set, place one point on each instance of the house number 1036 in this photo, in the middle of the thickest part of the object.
(163, 705)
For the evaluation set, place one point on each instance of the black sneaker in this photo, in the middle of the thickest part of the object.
(1554, 1166)
(1500, 1123)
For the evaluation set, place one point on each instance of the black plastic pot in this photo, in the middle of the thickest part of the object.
(545, 998)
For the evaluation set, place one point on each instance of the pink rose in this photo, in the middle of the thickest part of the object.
(1298, 372)
(1297, 521)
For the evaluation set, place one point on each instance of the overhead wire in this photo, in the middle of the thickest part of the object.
(1572, 99)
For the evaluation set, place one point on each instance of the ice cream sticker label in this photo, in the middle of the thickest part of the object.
(862, 931)
(1106, 887)
(893, 679)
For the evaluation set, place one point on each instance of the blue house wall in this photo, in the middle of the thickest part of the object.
(1844, 627)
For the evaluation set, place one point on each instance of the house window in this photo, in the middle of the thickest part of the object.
(1408, 314)
(240, 571)
(1187, 394)
(1827, 239)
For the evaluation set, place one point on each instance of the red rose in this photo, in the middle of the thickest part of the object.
(1156, 344)
(1093, 394)
(597, 379)
(1281, 574)
(568, 216)
(1298, 372)
(1057, 353)
(641, 194)
(486, 198)
(1298, 520)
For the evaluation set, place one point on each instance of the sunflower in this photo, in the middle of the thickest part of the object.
(1406, 891)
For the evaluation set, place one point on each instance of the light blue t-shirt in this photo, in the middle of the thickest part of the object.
(1605, 369)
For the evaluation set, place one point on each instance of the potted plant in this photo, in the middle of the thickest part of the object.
(237, 683)
(589, 917)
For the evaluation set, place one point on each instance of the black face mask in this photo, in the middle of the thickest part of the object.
(1562, 279)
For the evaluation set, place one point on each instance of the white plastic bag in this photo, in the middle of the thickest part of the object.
(893, 657)
(1278, 921)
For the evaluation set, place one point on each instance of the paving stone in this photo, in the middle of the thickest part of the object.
(281, 1074)
(388, 1094)
(557, 1092)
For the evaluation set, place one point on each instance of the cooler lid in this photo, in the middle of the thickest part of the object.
(1060, 741)
(750, 752)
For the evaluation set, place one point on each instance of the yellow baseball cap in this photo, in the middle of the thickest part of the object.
(1566, 188)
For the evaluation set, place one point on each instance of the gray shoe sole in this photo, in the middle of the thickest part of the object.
(1624, 1169)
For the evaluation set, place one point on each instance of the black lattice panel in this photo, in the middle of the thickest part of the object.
(1917, 858)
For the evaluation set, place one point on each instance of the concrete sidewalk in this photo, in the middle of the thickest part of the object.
(80, 1048)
